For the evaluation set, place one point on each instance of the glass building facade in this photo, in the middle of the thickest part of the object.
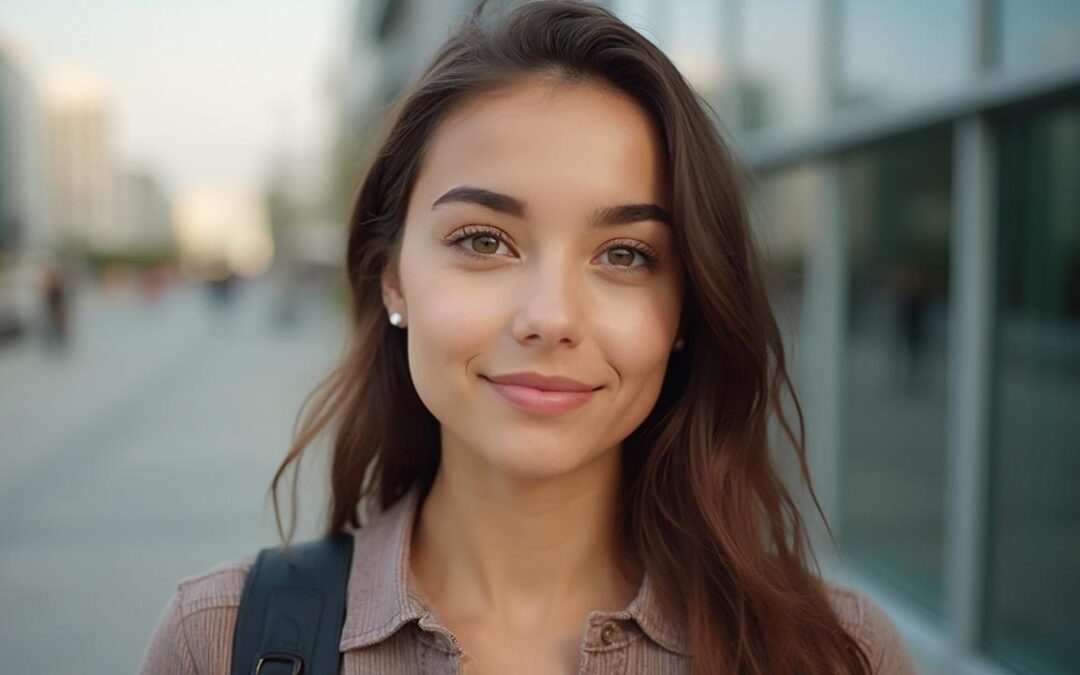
(918, 197)
(1033, 576)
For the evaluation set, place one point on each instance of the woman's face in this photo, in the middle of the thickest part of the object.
(517, 258)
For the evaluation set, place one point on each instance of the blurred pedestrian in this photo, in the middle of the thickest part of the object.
(55, 292)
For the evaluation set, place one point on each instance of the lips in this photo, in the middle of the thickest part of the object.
(543, 382)
(525, 391)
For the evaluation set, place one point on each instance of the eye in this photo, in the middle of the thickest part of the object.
(622, 255)
(484, 242)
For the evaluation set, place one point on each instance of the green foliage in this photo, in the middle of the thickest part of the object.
(133, 259)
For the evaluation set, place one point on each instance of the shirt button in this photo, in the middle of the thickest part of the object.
(607, 633)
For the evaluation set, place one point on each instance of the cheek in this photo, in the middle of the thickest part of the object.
(449, 323)
(637, 343)
(452, 315)
(638, 335)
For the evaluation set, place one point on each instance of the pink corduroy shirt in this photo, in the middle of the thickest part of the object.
(391, 627)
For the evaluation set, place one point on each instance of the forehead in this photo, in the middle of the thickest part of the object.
(538, 140)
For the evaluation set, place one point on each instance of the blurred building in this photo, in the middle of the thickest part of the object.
(143, 213)
(23, 205)
(80, 162)
(917, 167)
(222, 231)
(24, 217)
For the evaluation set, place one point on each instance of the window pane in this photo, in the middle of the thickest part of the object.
(786, 209)
(1033, 34)
(778, 78)
(786, 213)
(1034, 573)
(690, 35)
(901, 51)
(896, 203)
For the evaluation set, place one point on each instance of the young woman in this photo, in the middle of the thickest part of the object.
(550, 430)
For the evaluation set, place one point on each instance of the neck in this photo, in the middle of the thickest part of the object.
(521, 552)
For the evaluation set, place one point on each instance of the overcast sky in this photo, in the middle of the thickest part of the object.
(201, 91)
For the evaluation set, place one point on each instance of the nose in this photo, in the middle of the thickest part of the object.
(553, 297)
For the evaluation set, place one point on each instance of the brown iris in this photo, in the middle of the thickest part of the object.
(486, 238)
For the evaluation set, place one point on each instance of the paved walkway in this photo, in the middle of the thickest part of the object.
(142, 456)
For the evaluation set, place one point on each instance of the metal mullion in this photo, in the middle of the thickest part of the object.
(824, 319)
(984, 47)
(970, 367)
(823, 301)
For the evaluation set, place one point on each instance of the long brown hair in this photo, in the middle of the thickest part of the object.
(704, 506)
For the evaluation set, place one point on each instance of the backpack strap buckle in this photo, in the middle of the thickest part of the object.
(269, 661)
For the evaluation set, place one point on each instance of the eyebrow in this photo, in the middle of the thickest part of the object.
(609, 215)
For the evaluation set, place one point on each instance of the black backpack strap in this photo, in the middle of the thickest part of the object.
(292, 610)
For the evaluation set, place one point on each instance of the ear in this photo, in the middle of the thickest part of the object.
(393, 298)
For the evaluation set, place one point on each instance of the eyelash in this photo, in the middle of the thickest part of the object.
(651, 259)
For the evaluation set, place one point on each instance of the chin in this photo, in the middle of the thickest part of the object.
(536, 461)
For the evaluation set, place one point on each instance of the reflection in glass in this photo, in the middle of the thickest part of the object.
(899, 51)
(1033, 605)
(690, 34)
(1033, 34)
(896, 205)
(785, 216)
(777, 80)
(785, 212)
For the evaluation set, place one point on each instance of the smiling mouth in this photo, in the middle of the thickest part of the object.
(541, 401)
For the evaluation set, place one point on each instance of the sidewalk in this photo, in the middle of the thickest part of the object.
(141, 457)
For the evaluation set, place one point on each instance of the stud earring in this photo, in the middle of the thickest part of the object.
(679, 344)
(397, 319)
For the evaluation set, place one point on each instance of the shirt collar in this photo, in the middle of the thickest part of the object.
(380, 597)
(383, 594)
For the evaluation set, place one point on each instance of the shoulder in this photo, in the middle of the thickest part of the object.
(218, 587)
(194, 632)
(868, 623)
